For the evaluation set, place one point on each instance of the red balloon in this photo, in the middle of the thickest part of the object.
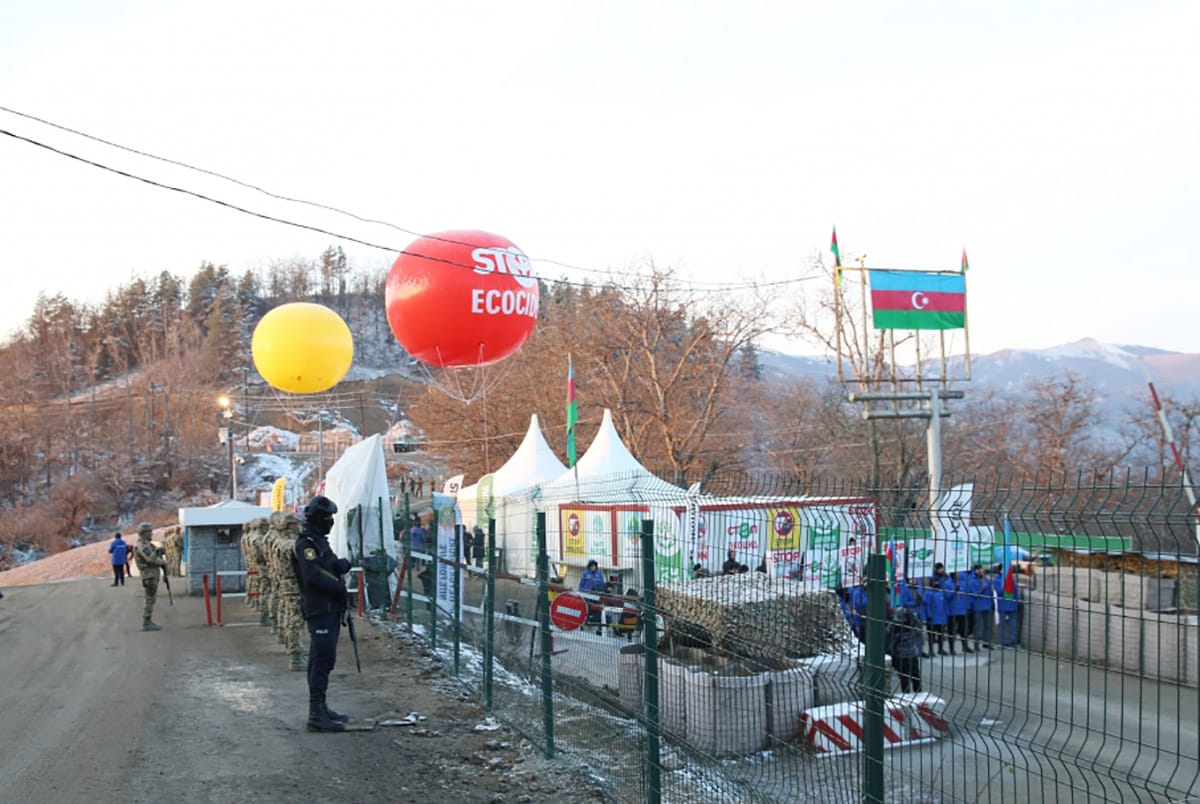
(463, 298)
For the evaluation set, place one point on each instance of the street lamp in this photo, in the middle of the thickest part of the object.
(225, 434)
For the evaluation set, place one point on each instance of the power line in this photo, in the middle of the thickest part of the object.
(697, 286)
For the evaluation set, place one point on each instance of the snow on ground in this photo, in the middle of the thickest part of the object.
(88, 561)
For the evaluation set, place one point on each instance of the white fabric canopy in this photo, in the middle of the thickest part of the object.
(532, 463)
(608, 472)
(357, 483)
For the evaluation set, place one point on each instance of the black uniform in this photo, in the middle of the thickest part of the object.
(322, 596)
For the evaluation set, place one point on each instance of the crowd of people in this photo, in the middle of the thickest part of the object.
(928, 617)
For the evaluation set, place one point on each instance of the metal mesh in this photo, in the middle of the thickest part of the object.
(754, 686)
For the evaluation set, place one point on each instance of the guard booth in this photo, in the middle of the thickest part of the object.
(212, 543)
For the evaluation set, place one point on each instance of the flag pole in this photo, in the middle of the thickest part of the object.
(966, 328)
(837, 300)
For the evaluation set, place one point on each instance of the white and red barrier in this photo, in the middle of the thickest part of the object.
(908, 719)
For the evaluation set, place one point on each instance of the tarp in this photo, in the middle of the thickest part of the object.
(357, 483)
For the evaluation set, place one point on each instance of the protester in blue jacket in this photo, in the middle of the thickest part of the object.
(120, 559)
(935, 609)
(979, 589)
(960, 612)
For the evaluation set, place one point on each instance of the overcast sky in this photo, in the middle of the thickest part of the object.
(1059, 142)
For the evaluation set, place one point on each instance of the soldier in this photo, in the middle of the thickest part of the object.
(149, 563)
(173, 545)
(250, 561)
(266, 582)
(285, 528)
(323, 602)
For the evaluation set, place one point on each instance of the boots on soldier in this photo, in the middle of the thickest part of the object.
(147, 625)
(319, 719)
(297, 663)
(340, 718)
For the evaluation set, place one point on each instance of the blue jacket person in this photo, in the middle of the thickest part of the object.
(323, 604)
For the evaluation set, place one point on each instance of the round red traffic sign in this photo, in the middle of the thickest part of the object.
(568, 611)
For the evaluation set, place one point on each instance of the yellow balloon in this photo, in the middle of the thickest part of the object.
(302, 348)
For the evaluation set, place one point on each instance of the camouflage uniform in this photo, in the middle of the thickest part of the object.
(266, 585)
(149, 564)
(250, 535)
(173, 544)
(285, 528)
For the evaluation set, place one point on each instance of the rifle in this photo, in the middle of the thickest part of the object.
(353, 638)
(166, 582)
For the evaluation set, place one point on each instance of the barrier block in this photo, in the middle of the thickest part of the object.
(908, 719)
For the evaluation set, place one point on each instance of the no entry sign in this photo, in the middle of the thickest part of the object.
(568, 611)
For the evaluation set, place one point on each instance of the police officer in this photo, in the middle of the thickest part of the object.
(322, 603)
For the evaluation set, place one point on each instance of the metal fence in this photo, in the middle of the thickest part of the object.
(778, 677)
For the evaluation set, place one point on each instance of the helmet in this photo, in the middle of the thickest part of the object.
(320, 506)
(318, 514)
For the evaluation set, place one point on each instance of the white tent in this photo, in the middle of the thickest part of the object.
(357, 483)
(608, 472)
(602, 501)
(532, 463)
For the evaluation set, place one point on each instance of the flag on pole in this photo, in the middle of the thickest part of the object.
(1010, 581)
(917, 300)
(965, 264)
(891, 573)
(572, 413)
(837, 260)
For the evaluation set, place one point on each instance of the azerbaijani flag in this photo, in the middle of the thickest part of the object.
(917, 300)
(965, 264)
(572, 413)
(833, 246)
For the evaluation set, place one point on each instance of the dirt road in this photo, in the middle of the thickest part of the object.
(94, 709)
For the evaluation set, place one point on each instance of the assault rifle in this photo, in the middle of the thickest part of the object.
(353, 638)
(166, 582)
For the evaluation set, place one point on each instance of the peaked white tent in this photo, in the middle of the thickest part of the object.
(594, 510)
(358, 484)
(533, 463)
(608, 472)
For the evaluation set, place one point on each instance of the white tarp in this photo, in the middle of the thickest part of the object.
(357, 483)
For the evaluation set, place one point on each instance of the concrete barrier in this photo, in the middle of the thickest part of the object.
(726, 715)
(908, 719)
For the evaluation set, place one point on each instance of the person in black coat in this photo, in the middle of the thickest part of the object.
(323, 604)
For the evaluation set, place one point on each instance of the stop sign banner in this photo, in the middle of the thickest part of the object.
(568, 611)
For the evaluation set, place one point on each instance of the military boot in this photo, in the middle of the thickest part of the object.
(340, 718)
(320, 720)
(297, 663)
(147, 625)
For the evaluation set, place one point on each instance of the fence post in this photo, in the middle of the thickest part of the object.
(489, 614)
(457, 598)
(652, 758)
(433, 593)
(408, 574)
(543, 616)
(874, 678)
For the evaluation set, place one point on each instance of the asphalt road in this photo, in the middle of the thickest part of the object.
(93, 709)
